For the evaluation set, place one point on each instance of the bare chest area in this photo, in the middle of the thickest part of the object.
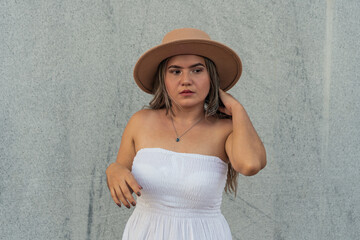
(203, 138)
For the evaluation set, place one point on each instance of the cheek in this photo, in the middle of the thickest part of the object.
(205, 84)
(169, 87)
(166, 82)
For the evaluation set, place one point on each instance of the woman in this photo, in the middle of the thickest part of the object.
(179, 155)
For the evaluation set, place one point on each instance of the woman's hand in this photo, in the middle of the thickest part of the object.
(229, 101)
(122, 184)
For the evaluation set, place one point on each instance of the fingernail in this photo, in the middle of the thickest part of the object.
(138, 193)
(140, 187)
(119, 205)
(128, 206)
(133, 203)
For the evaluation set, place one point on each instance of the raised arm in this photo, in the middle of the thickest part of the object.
(243, 146)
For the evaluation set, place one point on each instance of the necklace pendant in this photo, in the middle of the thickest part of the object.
(177, 139)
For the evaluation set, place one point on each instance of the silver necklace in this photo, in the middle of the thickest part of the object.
(177, 135)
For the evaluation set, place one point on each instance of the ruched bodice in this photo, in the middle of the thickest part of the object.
(181, 196)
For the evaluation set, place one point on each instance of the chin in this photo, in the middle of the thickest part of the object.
(187, 104)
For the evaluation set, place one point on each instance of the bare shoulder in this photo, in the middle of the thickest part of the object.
(140, 114)
(144, 112)
(127, 150)
(144, 121)
(142, 117)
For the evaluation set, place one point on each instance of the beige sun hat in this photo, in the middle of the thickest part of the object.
(188, 41)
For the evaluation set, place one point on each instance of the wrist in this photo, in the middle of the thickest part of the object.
(236, 107)
(111, 165)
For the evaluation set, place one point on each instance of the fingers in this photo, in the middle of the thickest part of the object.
(114, 193)
(122, 196)
(224, 110)
(128, 196)
(114, 197)
(121, 188)
(133, 185)
(118, 196)
(223, 92)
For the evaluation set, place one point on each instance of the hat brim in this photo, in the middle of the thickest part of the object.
(227, 62)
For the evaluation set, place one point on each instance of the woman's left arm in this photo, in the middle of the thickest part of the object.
(243, 146)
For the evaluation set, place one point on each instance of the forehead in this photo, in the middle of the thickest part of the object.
(184, 60)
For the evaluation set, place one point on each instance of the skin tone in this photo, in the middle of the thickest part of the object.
(187, 72)
(243, 147)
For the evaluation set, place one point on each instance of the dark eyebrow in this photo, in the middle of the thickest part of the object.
(192, 66)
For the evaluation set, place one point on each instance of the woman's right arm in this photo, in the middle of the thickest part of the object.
(120, 180)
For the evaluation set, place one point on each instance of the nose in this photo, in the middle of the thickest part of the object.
(186, 79)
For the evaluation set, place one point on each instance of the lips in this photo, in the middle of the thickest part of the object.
(186, 91)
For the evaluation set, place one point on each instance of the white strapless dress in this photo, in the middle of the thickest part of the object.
(180, 199)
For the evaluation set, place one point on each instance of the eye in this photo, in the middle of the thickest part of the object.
(175, 71)
(198, 70)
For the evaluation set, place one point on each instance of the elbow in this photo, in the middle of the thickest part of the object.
(251, 168)
(263, 162)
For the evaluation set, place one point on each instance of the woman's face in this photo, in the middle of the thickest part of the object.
(187, 80)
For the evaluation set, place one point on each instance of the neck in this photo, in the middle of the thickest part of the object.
(188, 115)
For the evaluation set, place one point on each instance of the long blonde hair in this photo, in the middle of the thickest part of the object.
(162, 100)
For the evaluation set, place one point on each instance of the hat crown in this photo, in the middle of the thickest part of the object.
(184, 34)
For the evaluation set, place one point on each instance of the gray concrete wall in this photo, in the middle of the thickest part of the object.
(67, 92)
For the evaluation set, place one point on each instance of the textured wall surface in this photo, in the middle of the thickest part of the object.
(67, 92)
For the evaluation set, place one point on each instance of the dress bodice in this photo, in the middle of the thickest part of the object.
(179, 180)
(180, 199)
